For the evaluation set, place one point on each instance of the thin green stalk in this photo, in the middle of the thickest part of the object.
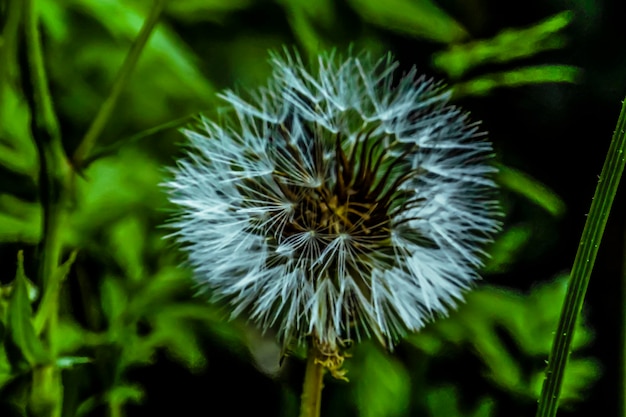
(112, 149)
(54, 181)
(313, 384)
(82, 156)
(106, 110)
(583, 265)
(115, 409)
(54, 169)
(54, 172)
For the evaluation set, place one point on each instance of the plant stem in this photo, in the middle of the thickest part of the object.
(106, 110)
(54, 181)
(313, 384)
(112, 149)
(54, 173)
(583, 265)
(54, 169)
(115, 409)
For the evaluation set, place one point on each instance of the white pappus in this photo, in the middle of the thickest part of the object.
(337, 203)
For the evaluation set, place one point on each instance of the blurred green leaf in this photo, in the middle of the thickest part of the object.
(228, 333)
(163, 288)
(171, 318)
(72, 337)
(6, 375)
(380, 383)
(20, 221)
(114, 300)
(125, 393)
(205, 10)
(166, 84)
(17, 151)
(127, 238)
(421, 18)
(526, 186)
(580, 374)
(444, 401)
(20, 331)
(476, 326)
(536, 336)
(508, 45)
(115, 188)
(305, 17)
(118, 395)
(483, 85)
(47, 303)
(54, 16)
(505, 250)
(528, 320)
(179, 338)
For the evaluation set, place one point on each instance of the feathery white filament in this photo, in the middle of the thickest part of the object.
(337, 202)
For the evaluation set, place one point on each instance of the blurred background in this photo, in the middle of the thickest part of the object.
(546, 78)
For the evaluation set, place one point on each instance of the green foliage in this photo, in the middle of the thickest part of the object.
(124, 295)
(522, 184)
(304, 16)
(508, 247)
(20, 220)
(492, 318)
(508, 45)
(484, 84)
(423, 18)
(17, 151)
(504, 329)
(529, 322)
(22, 347)
(390, 395)
(444, 402)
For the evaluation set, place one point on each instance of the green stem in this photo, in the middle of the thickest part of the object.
(106, 110)
(583, 265)
(112, 149)
(54, 172)
(54, 169)
(313, 384)
(115, 409)
(54, 180)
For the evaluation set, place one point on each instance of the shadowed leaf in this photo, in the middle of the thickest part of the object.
(22, 342)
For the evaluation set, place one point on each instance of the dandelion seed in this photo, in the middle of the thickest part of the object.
(337, 203)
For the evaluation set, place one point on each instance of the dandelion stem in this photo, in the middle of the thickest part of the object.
(106, 110)
(313, 384)
(583, 265)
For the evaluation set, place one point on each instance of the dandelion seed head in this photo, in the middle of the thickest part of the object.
(340, 202)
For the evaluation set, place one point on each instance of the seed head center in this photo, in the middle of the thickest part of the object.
(329, 214)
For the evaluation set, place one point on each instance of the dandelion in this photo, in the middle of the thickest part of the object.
(337, 203)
